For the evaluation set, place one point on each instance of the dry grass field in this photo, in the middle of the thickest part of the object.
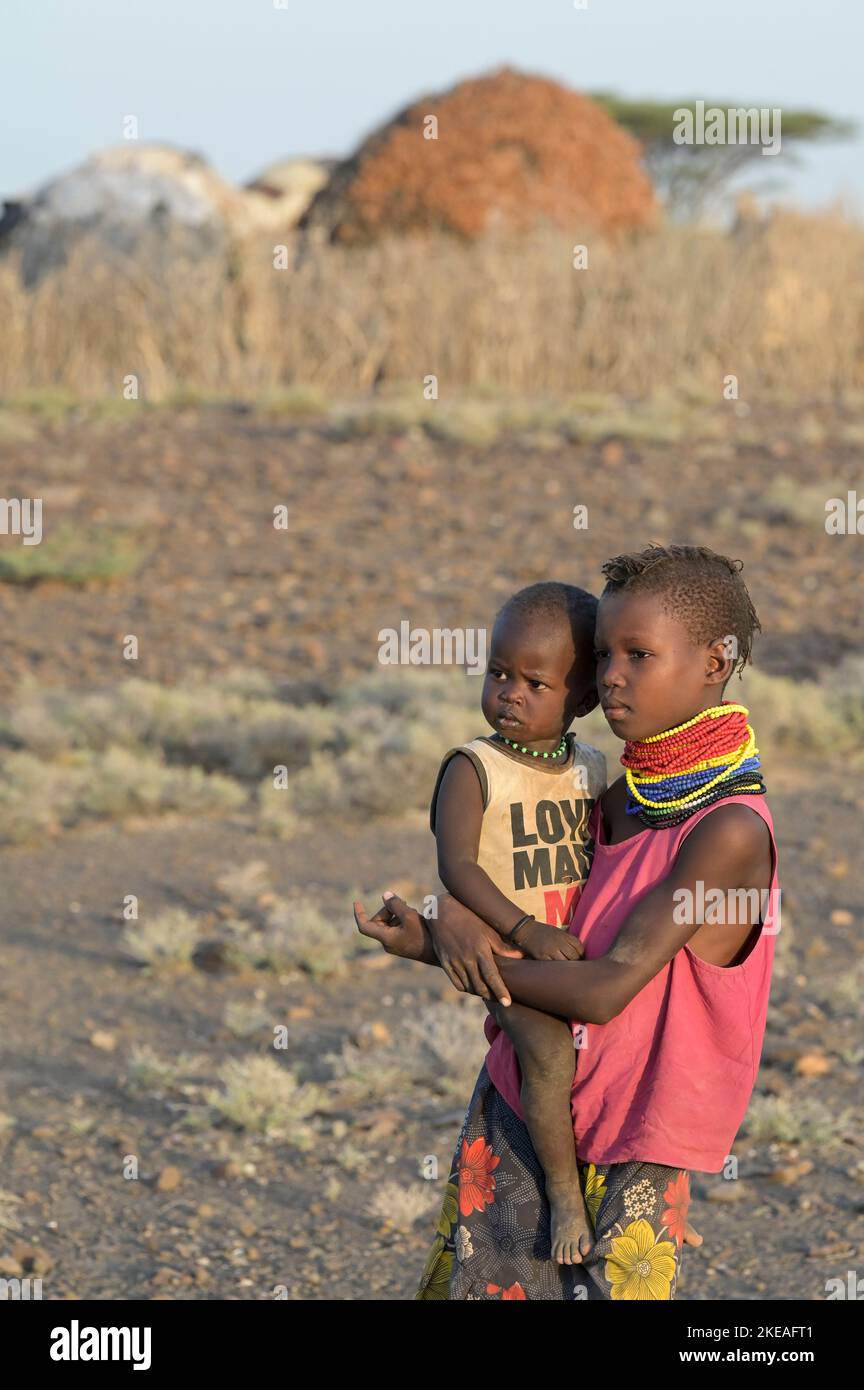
(777, 302)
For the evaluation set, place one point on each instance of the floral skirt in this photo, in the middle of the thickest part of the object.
(493, 1236)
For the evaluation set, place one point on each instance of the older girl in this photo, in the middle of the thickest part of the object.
(669, 1005)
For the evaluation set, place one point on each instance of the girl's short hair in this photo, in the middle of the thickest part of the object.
(701, 588)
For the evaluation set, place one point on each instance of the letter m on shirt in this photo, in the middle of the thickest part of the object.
(531, 868)
(559, 909)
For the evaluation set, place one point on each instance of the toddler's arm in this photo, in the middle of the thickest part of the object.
(458, 818)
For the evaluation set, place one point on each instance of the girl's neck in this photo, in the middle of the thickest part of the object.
(686, 719)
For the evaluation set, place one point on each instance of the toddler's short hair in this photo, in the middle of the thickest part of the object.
(551, 601)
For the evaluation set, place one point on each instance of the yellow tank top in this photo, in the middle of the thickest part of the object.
(534, 841)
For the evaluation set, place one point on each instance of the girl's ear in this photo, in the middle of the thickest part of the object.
(721, 660)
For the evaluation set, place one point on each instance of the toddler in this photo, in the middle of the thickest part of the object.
(509, 814)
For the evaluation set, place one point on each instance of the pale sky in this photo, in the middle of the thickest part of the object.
(247, 83)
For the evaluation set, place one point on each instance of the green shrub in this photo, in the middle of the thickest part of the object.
(73, 555)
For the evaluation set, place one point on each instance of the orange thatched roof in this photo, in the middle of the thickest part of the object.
(511, 149)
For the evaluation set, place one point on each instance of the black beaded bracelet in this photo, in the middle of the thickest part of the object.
(529, 917)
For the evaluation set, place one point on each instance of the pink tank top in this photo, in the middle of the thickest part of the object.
(669, 1079)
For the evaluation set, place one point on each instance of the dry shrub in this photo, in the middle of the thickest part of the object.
(38, 797)
(441, 1048)
(786, 1120)
(149, 1073)
(167, 940)
(398, 1207)
(263, 1097)
(238, 726)
(293, 935)
(398, 725)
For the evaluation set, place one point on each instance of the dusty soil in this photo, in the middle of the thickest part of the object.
(397, 526)
(380, 529)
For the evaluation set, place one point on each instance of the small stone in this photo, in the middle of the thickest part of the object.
(813, 1064)
(169, 1179)
(841, 918)
(227, 1169)
(817, 949)
(727, 1192)
(787, 1174)
(370, 1035)
(840, 1249)
(105, 1042)
(383, 1123)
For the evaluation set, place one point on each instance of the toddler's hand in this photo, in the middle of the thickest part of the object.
(540, 941)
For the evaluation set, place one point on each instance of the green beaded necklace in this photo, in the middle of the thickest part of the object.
(562, 748)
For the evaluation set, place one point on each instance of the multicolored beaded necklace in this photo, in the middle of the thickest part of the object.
(674, 773)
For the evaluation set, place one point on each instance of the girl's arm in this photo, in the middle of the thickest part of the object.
(725, 850)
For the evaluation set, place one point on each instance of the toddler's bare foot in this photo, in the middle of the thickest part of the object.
(571, 1230)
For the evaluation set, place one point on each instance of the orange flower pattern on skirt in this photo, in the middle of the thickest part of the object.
(476, 1183)
(493, 1234)
(677, 1198)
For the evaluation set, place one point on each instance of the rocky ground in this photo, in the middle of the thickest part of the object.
(394, 524)
(379, 529)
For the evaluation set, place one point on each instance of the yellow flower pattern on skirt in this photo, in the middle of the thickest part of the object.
(640, 1265)
(594, 1192)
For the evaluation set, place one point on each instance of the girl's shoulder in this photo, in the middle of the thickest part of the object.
(615, 795)
(738, 824)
